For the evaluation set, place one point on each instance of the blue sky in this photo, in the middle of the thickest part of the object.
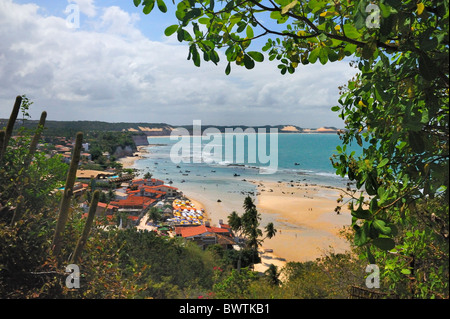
(119, 67)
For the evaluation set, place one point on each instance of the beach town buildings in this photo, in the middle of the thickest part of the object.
(206, 235)
(140, 195)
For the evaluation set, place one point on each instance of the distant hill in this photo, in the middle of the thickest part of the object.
(70, 128)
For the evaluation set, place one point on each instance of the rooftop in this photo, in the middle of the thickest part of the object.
(198, 230)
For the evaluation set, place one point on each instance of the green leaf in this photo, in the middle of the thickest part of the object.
(384, 243)
(383, 162)
(249, 32)
(149, 7)
(314, 55)
(371, 183)
(406, 271)
(257, 56)
(350, 31)
(162, 6)
(195, 55)
(381, 226)
(350, 49)
(361, 213)
(171, 30)
(137, 2)
(214, 57)
(204, 21)
(228, 69)
(361, 235)
(323, 56)
(248, 62)
(335, 108)
(427, 68)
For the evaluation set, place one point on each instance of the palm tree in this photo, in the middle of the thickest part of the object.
(273, 275)
(148, 175)
(234, 221)
(249, 204)
(154, 214)
(270, 230)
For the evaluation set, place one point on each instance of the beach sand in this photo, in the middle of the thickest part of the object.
(303, 214)
(128, 161)
(305, 219)
(307, 225)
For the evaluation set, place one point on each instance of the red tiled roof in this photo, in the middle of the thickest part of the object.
(147, 189)
(151, 189)
(162, 186)
(104, 205)
(198, 230)
(134, 201)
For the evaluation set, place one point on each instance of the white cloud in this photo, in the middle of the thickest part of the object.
(114, 73)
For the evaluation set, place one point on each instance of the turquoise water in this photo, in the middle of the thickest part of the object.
(299, 157)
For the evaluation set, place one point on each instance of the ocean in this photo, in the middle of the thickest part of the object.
(205, 168)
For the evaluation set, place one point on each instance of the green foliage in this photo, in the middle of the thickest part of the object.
(154, 214)
(35, 182)
(24, 107)
(236, 285)
(182, 266)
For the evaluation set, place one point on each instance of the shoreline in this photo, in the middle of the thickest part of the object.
(303, 214)
(307, 225)
(128, 161)
(305, 219)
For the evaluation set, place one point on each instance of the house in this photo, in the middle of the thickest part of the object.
(169, 190)
(106, 209)
(86, 156)
(205, 235)
(147, 182)
(147, 191)
(133, 204)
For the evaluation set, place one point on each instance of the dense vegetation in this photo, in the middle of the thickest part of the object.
(70, 128)
(101, 142)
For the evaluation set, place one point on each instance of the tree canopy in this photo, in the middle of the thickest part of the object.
(395, 108)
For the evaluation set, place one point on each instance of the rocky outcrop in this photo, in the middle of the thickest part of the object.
(123, 152)
(140, 140)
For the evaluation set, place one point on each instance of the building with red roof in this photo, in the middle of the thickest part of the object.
(133, 202)
(147, 182)
(106, 209)
(205, 235)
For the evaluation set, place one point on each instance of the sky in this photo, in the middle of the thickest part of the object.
(117, 65)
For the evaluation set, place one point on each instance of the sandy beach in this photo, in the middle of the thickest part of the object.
(305, 219)
(307, 225)
(128, 161)
(303, 214)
